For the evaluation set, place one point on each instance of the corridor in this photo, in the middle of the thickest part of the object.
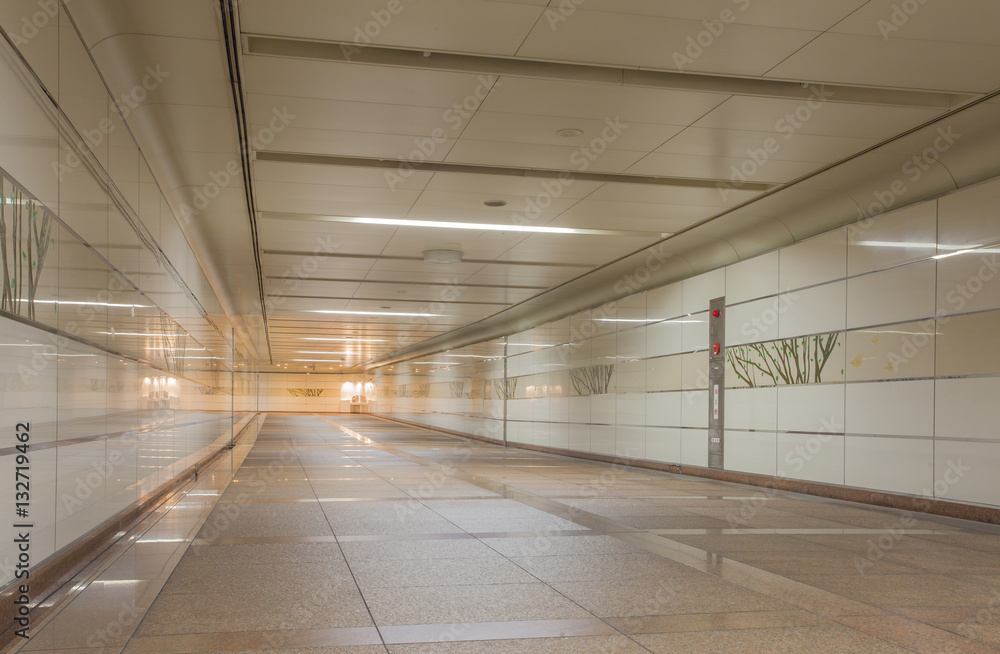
(358, 535)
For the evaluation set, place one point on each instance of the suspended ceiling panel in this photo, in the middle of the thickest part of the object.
(458, 104)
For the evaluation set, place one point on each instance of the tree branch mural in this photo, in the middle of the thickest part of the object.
(25, 237)
(789, 361)
(593, 380)
(305, 392)
(505, 388)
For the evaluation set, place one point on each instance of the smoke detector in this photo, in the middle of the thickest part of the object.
(447, 254)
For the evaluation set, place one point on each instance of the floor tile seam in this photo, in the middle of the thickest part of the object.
(350, 570)
(625, 528)
(195, 529)
(421, 461)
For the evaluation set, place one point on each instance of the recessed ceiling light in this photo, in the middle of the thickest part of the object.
(443, 255)
(379, 313)
(570, 132)
(495, 203)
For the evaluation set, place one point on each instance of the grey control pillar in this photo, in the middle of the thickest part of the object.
(716, 382)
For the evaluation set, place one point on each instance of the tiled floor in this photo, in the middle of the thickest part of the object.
(357, 535)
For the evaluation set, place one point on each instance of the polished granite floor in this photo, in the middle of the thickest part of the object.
(357, 535)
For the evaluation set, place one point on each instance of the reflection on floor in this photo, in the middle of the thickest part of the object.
(357, 535)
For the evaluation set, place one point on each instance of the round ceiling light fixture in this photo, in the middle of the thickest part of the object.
(495, 203)
(570, 132)
(443, 255)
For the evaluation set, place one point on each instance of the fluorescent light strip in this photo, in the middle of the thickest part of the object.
(954, 254)
(92, 304)
(376, 313)
(317, 361)
(440, 224)
(144, 334)
(346, 340)
(178, 349)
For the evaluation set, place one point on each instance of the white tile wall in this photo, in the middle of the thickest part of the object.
(664, 302)
(896, 465)
(632, 343)
(694, 447)
(891, 408)
(664, 374)
(579, 409)
(700, 290)
(970, 217)
(967, 408)
(631, 409)
(811, 457)
(664, 338)
(814, 310)
(892, 239)
(969, 282)
(694, 409)
(897, 295)
(664, 444)
(812, 408)
(630, 441)
(754, 322)
(753, 278)
(695, 332)
(578, 437)
(751, 451)
(896, 425)
(603, 409)
(664, 409)
(752, 408)
(967, 472)
(813, 261)
(602, 439)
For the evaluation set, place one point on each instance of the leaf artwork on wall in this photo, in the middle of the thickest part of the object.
(215, 390)
(305, 392)
(789, 361)
(505, 389)
(457, 389)
(593, 380)
(25, 237)
(421, 390)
